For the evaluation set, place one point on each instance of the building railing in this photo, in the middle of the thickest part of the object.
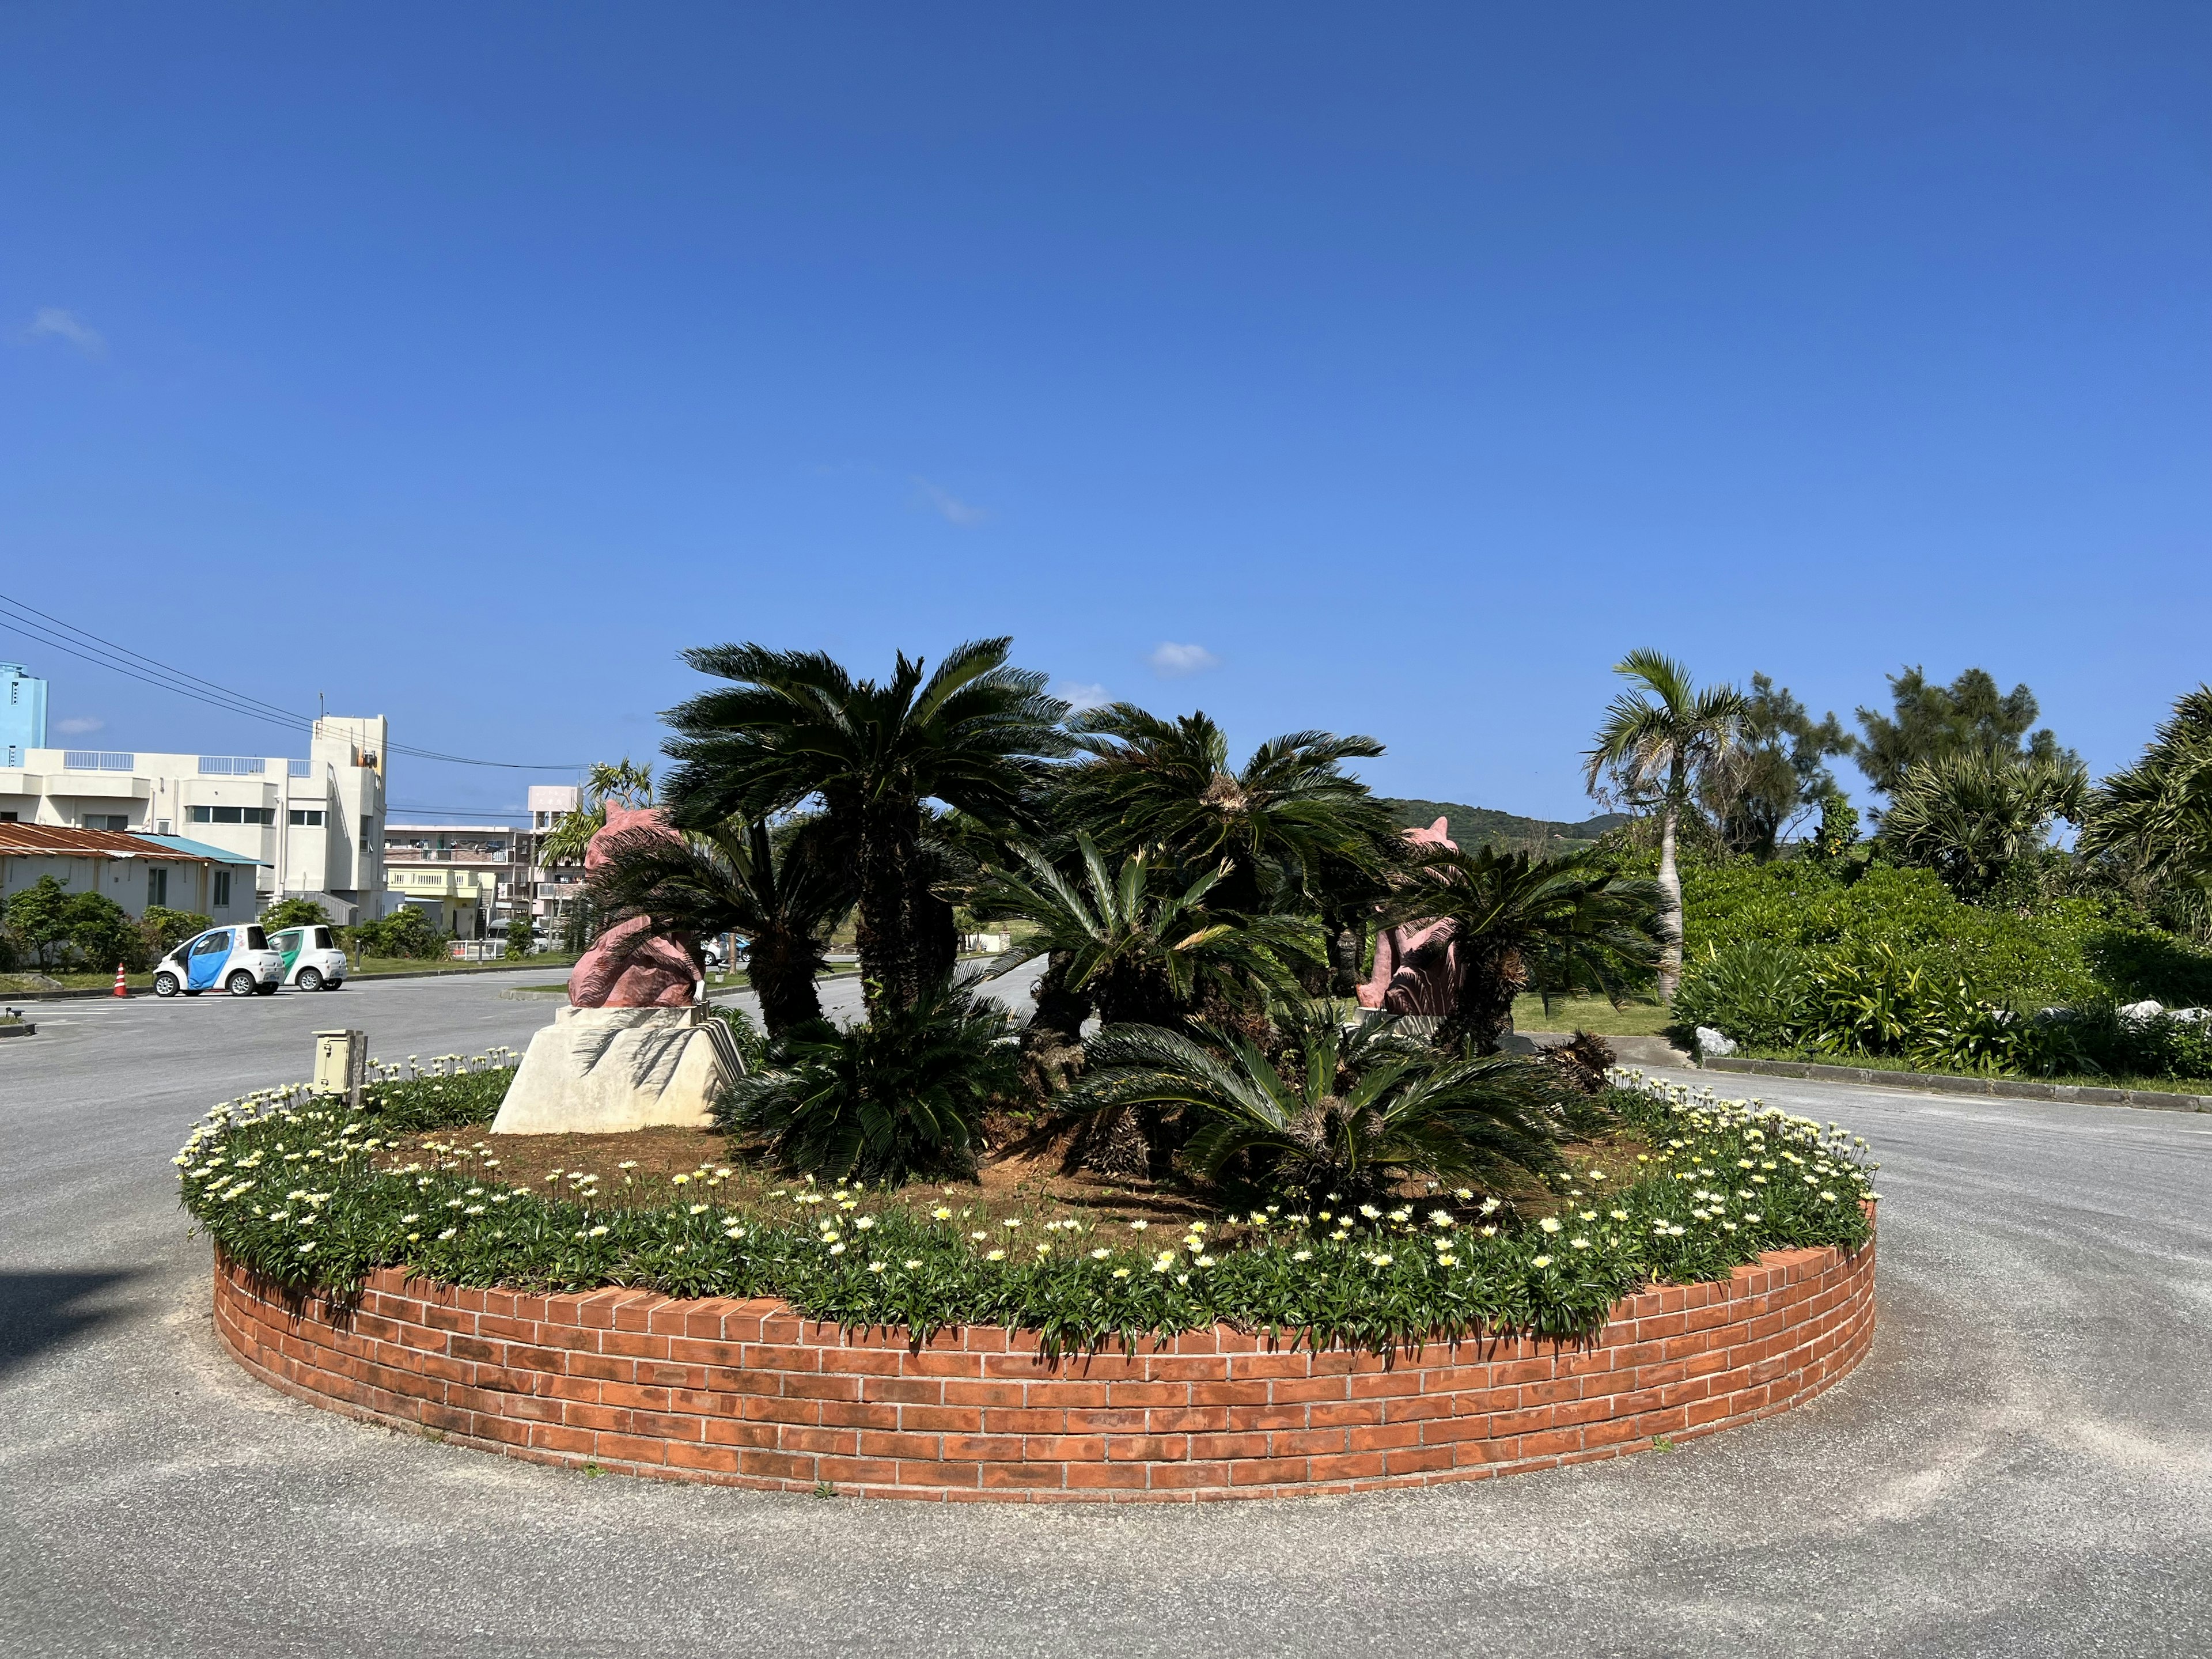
(299, 768)
(97, 760)
(232, 766)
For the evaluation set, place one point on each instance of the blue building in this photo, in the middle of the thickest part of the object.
(23, 714)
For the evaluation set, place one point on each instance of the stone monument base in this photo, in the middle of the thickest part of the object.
(599, 1071)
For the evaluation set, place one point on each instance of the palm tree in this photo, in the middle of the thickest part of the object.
(1274, 822)
(623, 781)
(796, 725)
(1514, 915)
(2157, 813)
(735, 878)
(1656, 740)
(1971, 817)
(1336, 1116)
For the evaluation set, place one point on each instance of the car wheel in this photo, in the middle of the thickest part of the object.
(239, 984)
(165, 985)
(309, 979)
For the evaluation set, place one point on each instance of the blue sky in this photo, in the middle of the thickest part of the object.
(1403, 365)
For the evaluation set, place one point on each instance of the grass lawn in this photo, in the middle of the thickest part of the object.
(1590, 1014)
(12, 984)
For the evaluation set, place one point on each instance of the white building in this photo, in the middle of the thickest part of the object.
(135, 874)
(464, 876)
(314, 826)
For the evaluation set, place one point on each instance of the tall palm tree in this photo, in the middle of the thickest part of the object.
(734, 877)
(1335, 1115)
(1274, 822)
(1656, 740)
(1511, 914)
(2158, 811)
(973, 735)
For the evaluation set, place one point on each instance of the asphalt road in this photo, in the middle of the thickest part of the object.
(2023, 1466)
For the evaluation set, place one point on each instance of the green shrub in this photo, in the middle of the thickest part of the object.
(899, 1097)
(88, 930)
(164, 929)
(294, 913)
(1754, 991)
(405, 933)
(452, 1095)
(521, 935)
(289, 1185)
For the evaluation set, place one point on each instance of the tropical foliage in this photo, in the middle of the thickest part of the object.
(1332, 1117)
(796, 726)
(1971, 817)
(1929, 723)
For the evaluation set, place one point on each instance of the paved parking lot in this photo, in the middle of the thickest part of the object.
(2023, 1467)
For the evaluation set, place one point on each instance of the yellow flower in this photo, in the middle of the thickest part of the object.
(996, 1255)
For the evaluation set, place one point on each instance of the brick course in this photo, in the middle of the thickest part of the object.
(747, 1394)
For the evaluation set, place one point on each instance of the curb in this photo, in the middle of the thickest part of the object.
(1939, 1082)
(26, 1029)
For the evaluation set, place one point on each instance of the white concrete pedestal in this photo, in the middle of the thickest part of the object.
(599, 1071)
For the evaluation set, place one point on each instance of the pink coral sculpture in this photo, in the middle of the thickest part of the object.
(1416, 964)
(631, 965)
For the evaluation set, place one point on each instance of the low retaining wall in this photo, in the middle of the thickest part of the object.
(746, 1394)
(1944, 1083)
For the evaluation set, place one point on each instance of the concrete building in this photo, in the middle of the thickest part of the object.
(312, 828)
(135, 871)
(555, 890)
(23, 714)
(466, 877)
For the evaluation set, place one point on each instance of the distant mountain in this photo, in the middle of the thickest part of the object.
(1477, 826)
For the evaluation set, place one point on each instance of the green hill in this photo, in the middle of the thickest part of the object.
(1476, 826)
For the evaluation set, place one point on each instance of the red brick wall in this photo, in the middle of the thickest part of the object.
(746, 1394)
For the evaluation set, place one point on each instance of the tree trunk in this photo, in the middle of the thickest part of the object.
(782, 969)
(1347, 944)
(1483, 1011)
(1052, 1042)
(1670, 904)
(885, 936)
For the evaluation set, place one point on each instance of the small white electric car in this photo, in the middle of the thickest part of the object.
(311, 960)
(233, 959)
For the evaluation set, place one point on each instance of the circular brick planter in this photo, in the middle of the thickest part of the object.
(746, 1394)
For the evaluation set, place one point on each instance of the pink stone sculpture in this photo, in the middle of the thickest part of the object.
(631, 965)
(1416, 964)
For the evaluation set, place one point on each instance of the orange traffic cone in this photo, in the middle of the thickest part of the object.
(121, 989)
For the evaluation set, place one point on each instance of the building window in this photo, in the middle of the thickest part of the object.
(107, 821)
(231, 814)
(157, 885)
(221, 888)
(309, 816)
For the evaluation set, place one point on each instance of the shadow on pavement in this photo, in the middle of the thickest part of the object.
(42, 1310)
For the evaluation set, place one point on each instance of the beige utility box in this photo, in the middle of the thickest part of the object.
(341, 1063)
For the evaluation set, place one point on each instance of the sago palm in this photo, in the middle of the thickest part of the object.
(1272, 822)
(735, 878)
(1515, 918)
(1337, 1115)
(1656, 740)
(796, 725)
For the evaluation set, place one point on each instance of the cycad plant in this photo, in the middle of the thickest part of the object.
(1271, 825)
(796, 725)
(2157, 814)
(1337, 1115)
(1144, 943)
(735, 878)
(1514, 915)
(899, 1097)
(1656, 742)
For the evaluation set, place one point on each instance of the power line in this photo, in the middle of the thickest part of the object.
(16, 617)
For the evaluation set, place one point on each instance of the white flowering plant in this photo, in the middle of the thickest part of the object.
(304, 1190)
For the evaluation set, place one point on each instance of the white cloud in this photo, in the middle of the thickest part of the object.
(77, 725)
(949, 507)
(1078, 696)
(1173, 662)
(51, 321)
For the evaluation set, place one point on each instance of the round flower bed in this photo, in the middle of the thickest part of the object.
(1728, 1275)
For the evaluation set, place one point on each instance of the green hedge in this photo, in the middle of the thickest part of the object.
(289, 1185)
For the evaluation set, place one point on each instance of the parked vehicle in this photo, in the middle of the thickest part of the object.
(313, 961)
(233, 959)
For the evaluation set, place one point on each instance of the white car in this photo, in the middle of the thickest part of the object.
(311, 961)
(233, 959)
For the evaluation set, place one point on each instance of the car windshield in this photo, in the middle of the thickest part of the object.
(256, 939)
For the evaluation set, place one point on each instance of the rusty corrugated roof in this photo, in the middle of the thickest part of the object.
(60, 841)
